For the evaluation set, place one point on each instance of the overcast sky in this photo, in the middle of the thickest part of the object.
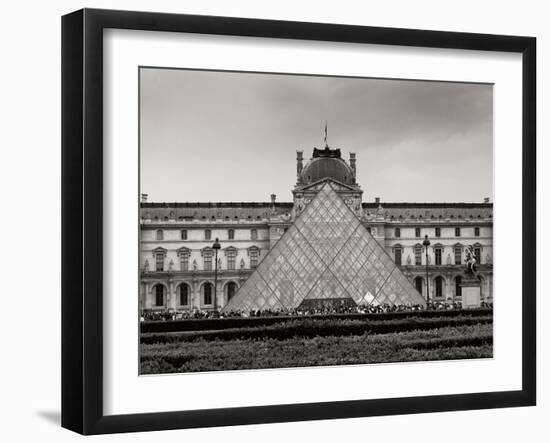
(221, 136)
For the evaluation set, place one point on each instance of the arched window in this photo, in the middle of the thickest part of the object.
(207, 293)
(418, 284)
(254, 234)
(183, 290)
(439, 286)
(160, 234)
(231, 290)
(458, 286)
(230, 234)
(159, 295)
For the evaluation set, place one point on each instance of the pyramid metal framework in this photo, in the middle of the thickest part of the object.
(327, 256)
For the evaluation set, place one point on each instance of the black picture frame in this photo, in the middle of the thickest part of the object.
(82, 215)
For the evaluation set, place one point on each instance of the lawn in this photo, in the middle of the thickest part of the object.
(316, 343)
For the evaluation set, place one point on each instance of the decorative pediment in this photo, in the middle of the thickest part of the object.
(159, 250)
(336, 185)
(184, 252)
(230, 251)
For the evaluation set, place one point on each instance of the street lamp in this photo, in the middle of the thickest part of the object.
(215, 247)
(426, 243)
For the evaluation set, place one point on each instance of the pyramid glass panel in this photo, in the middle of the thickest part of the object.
(326, 256)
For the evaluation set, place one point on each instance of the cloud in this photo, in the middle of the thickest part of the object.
(207, 131)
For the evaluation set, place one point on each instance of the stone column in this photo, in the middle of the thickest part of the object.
(449, 288)
(147, 295)
(171, 301)
(142, 295)
(195, 296)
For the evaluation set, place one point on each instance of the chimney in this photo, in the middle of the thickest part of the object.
(352, 161)
(299, 164)
(144, 198)
(377, 200)
(273, 197)
(486, 200)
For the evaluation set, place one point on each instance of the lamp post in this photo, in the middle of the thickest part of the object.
(216, 246)
(426, 243)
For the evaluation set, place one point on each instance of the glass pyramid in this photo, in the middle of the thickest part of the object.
(327, 257)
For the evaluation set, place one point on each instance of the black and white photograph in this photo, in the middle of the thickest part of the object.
(298, 220)
(275, 221)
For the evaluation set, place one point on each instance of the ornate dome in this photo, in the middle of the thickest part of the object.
(327, 163)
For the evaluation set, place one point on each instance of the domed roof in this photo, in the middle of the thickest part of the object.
(327, 163)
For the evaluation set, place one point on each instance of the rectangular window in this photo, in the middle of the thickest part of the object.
(207, 260)
(231, 234)
(438, 256)
(253, 258)
(231, 256)
(417, 232)
(159, 262)
(477, 253)
(397, 232)
(368, 229)
(207, 234)
(418, 255)
(398, 254)
(160, 235)
(184, 263)
(458, 255)
(438, 232)
(476, 232)
(254, 234)
(457, 232)
(184, 234)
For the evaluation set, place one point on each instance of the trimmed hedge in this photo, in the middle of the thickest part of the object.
(308, 328)
(254, 322)
(462, 342)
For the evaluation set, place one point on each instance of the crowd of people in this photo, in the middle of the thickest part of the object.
(170, 315)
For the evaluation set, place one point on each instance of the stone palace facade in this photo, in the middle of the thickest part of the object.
(178, 268)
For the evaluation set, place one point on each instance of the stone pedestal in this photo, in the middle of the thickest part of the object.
(471, 293)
